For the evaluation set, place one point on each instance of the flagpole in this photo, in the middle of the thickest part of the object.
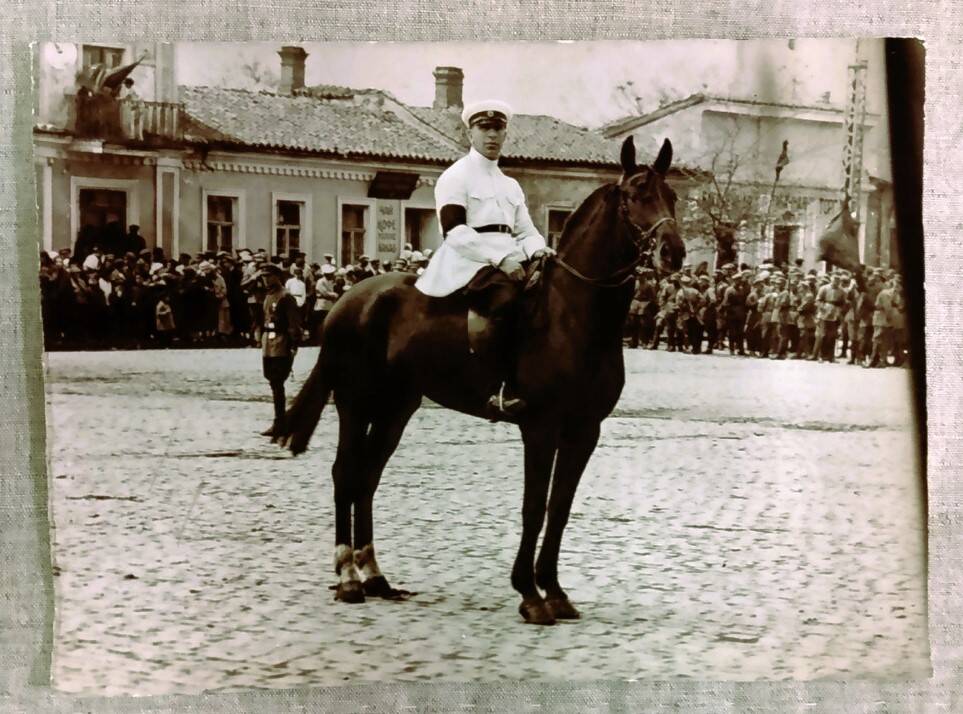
(781, 163)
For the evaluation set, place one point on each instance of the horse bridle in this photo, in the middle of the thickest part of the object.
(644, 244)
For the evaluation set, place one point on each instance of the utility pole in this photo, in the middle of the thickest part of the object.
(854, 123)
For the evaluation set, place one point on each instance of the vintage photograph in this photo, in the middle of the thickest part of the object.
(466, 362)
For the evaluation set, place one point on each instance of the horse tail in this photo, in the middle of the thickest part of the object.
(305, 412)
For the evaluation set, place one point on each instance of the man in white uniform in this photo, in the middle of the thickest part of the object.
(488, 236)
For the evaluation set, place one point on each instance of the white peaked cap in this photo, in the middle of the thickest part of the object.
(488, 106)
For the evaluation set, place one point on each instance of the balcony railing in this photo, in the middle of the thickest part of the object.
(101, 116)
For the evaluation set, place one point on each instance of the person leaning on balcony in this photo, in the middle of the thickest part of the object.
(134, 111)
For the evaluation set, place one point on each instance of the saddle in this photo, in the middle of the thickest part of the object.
(494, 298)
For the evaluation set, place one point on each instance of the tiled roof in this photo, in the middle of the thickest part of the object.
(533, 137)
(305, 123)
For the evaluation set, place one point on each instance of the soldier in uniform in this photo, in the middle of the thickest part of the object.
(489, 235)
(707, 314)
(805, 317)
(688, 303)
(769, 327)
(882, 327)
(830, 301)
(784, 318)
(279, 339)
(734, 309)
(665, 318)
(642, 310)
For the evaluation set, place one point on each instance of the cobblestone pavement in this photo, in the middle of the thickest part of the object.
(741, 519)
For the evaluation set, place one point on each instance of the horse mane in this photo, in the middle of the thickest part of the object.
(585, 212)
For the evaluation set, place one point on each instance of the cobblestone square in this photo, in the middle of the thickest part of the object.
(741, 519)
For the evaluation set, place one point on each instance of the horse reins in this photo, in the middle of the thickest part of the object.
(643, 244)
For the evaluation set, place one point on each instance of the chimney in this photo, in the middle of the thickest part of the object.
(292, 69)
(448, 86)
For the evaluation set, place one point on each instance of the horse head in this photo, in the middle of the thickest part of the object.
(648, 204)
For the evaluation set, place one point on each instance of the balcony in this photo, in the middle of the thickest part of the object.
(128, 121)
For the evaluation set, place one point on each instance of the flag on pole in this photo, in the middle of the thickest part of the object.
(783, 159)
(839, 244)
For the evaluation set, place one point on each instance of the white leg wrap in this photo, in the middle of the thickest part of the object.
(366, 562)
(344, 564)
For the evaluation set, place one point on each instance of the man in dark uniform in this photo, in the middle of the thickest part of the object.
(279, 339)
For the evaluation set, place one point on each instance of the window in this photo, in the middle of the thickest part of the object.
(352, 233)
(421, 228)
(556, 223)
(287, 227)
(107, 56)
(221, 226)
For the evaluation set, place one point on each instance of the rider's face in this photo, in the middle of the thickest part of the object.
(487, 138)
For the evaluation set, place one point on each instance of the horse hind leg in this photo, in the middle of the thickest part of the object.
(346, 473)
(380, 444)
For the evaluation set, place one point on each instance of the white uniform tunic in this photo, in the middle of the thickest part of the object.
(489, 197)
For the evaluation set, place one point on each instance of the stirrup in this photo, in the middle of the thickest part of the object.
(501, 409)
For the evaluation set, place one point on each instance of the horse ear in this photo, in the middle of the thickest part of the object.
(628, 157)
(664, 160)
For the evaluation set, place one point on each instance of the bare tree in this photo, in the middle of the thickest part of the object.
(723, 204)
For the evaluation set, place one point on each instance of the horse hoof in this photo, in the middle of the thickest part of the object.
(350, 593)
(535, 612)
(378, 587)
(562, 609)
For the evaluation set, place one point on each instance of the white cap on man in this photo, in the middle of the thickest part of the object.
(487, 110)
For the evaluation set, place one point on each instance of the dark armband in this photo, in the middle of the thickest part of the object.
(451, 216)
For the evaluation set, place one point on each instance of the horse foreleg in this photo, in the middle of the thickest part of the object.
(380, 444)
(540, 448)
(574, 452)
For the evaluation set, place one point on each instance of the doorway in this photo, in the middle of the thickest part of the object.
(103, 218)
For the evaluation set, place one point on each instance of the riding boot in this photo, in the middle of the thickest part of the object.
(489, 338)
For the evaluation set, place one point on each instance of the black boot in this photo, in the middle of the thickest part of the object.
(488, 338)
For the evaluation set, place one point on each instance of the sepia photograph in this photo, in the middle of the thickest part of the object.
(478, 361)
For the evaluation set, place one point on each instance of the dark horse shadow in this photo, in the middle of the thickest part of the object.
(386, 345)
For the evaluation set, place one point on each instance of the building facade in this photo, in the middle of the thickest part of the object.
(321, 169)
(739, 140)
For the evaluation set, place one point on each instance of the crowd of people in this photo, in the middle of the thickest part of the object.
(774, 312)
(128, 296)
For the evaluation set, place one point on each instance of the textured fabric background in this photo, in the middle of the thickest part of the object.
(25, 581)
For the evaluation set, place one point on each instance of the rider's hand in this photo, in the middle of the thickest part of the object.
(543, 253)
(512, 268)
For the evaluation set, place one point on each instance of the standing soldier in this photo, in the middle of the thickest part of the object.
(769, 327)
(642, 310)
(688, 302)
(847, 332)
(279, 340)
(707, 314)
(754, 316)
(882, 327)
(666, 315)
(898, 320)
(781, 318)
(734, 309)
(805, 317)
(830, 301)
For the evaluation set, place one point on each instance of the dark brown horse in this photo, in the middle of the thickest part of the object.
(386, 346)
